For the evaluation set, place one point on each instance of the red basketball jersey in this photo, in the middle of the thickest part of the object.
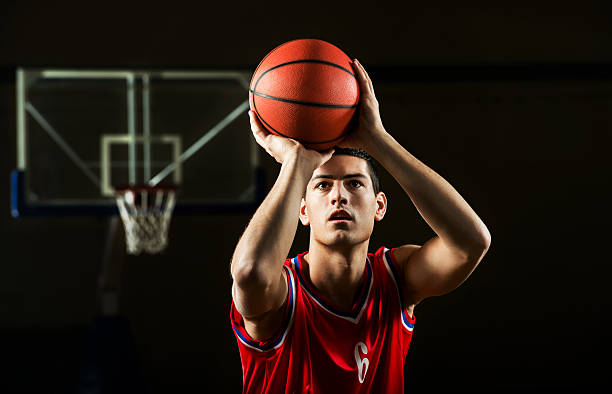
(323, 349)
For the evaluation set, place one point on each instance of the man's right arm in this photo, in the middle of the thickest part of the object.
(260, 288)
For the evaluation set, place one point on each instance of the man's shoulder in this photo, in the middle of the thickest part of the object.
(391, 253)
(395, 257)
(401, 254)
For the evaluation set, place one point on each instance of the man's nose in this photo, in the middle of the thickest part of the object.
(338, 195)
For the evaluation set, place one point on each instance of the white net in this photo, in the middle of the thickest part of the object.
(146, 214)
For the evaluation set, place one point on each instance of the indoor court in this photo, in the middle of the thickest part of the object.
(130, 173)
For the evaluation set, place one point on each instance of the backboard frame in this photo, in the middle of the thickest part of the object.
(22, 206)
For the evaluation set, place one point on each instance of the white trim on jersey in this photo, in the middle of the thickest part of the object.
(388, 265)
(292, 300)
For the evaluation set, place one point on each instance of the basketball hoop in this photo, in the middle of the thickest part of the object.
(146, 212)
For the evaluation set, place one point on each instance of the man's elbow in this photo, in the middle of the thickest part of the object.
(242, 272)
(481, 246)
(248, 275)
(477, 247)
(485, 239)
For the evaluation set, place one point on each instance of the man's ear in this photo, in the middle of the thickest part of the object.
(381, 206)
(303, 214)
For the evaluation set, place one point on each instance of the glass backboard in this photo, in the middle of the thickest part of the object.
(83, 133)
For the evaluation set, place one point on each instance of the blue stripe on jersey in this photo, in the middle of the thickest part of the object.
(361, 304)
(271, 345)
(406, 322)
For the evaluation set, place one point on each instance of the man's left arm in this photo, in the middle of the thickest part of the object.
(446, 260)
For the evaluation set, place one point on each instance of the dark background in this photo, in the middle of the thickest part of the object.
(510, 104)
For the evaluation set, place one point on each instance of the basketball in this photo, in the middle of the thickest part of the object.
(306, 90)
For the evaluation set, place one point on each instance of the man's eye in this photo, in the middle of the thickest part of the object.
(356, 183)
(321, 185)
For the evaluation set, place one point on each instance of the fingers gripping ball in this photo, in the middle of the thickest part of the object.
(306, 90)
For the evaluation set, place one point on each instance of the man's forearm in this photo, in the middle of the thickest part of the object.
(265, 243)
(440, 205)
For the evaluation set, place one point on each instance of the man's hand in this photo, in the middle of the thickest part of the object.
(369, 125)
(280, 148)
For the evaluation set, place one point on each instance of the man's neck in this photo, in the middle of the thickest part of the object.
(337, 273)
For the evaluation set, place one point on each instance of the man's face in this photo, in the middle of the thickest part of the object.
(340, 205)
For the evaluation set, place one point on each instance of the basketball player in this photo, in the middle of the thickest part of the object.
(337, 318)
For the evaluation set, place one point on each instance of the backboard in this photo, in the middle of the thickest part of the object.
(83, 133)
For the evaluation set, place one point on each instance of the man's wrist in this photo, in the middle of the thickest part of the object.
(379, 138)
(299, 164)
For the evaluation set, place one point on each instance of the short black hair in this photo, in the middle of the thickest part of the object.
(364, 155)
(355, 152)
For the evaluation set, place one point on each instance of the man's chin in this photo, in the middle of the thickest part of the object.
(341, 239)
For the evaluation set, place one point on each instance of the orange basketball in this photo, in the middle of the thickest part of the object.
(306, 90)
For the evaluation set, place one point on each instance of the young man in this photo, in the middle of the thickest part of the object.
(337, 318)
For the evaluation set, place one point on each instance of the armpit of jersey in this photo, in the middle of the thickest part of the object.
(277, 340)
(393, 269)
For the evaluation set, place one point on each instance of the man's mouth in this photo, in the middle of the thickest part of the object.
(339, 215)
